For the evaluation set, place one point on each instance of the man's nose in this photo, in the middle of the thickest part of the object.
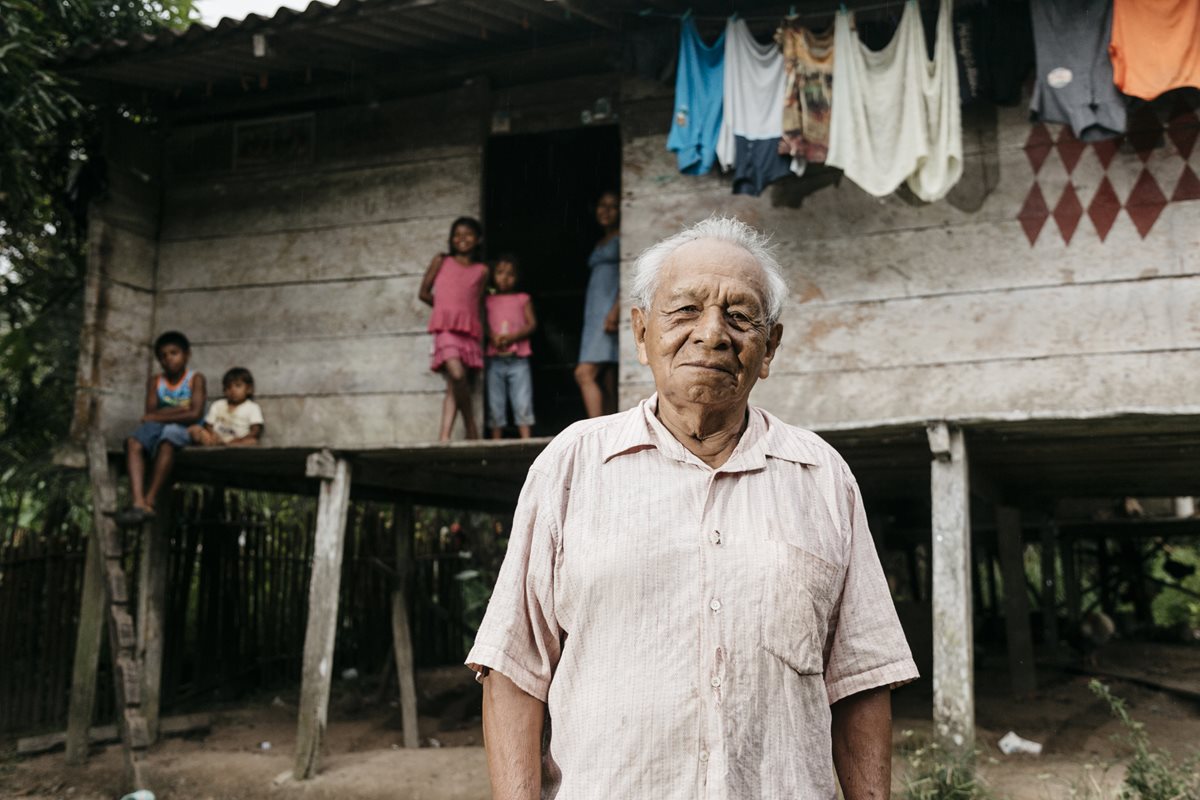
(710, 329)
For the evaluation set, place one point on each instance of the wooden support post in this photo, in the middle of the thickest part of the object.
(152, 601)
(87, 651)
(1049, 587)
(978, 601)
(1132, 567)
(1103, 582)
(1011, 547)
(953, 637)
(983, 579)
(402, 526)
(993, 588)
(1071, 588)
(332, 504)
(1185, 507)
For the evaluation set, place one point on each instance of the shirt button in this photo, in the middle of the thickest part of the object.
(704, 755)
(716, 683)
(716, 537)
(715, 605)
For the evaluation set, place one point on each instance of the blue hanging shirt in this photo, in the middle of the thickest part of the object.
(699, 88)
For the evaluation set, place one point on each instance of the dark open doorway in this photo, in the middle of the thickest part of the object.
(539, 196)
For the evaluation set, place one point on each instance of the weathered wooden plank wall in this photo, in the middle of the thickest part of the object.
(115, 354)
(905, 312)
(306, 272)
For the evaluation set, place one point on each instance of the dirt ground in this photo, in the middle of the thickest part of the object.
(363, 759)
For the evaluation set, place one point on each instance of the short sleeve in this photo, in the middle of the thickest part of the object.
(520, 635)
(254, 415)
(868, 649)
(214, 412)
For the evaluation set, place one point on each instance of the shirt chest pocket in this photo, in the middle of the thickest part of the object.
(797, 601)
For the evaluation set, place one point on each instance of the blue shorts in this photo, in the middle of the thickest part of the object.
(509, 383)
(150, 434)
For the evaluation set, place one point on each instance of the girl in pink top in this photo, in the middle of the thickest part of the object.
(510, 323)
(454, 286)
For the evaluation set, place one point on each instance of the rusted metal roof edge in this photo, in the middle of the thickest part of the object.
(83, 53)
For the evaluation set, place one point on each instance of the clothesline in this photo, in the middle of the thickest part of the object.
(764, 110)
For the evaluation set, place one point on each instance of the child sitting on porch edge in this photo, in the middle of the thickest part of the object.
(235, 420)
(175, 399)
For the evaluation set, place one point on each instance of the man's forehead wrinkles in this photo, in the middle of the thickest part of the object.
(727, 295)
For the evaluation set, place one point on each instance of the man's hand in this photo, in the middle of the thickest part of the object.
(512, 734)
(862, 744)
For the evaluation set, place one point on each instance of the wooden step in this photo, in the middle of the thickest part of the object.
(122, 633)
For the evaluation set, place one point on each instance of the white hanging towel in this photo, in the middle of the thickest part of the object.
(895, 114)
(755, 81)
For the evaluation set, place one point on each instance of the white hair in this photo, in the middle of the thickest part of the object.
(723, 229)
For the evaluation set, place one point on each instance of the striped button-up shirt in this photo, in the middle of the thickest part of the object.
(689, 627)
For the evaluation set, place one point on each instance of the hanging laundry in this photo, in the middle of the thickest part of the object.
(994, 45)
(808, 95)
(1074, 80)
(896, 115)
(753, 122)
(1155, 46)
(699, 86)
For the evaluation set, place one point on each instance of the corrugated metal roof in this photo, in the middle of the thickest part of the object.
(351, 40)
(167, 37)
(349, 37)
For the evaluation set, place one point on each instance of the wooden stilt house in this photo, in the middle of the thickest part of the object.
(976, 360)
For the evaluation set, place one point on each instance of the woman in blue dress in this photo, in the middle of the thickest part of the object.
(596, 372)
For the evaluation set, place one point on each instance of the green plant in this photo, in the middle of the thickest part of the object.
(937, 774)
(1091, 785)
(1152, 773)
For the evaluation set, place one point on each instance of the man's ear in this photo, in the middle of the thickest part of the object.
(638, 320)
(774, 337)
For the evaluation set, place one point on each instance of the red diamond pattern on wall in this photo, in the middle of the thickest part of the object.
(1159, 155)
(1104, 208)
(1106, 150)
(1182, 131)
(1034, 214)
(1069, 148)
(1067, 213)
(1038, 146)
(1145, 203)
(1188, 187)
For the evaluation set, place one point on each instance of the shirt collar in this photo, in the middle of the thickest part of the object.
(765, 436)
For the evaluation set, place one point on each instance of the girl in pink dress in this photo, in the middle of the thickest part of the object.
(454, 286)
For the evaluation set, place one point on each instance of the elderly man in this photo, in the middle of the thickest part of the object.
(690, 589)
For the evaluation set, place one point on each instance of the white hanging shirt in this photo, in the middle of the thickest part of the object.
(755, 81)
(895, 114)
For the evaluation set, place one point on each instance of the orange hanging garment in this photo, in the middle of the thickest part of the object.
(1155, 46)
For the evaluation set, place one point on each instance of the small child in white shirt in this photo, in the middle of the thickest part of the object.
(235, 420)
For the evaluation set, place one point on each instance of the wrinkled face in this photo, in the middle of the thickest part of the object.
(706, 336)
(464, 240)
(608, 210)
(504, 276)
(236, 391)
(172, 358)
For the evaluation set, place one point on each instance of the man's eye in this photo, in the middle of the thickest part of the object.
(686, 310)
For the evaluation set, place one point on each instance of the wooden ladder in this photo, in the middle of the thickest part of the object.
(122, 634)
